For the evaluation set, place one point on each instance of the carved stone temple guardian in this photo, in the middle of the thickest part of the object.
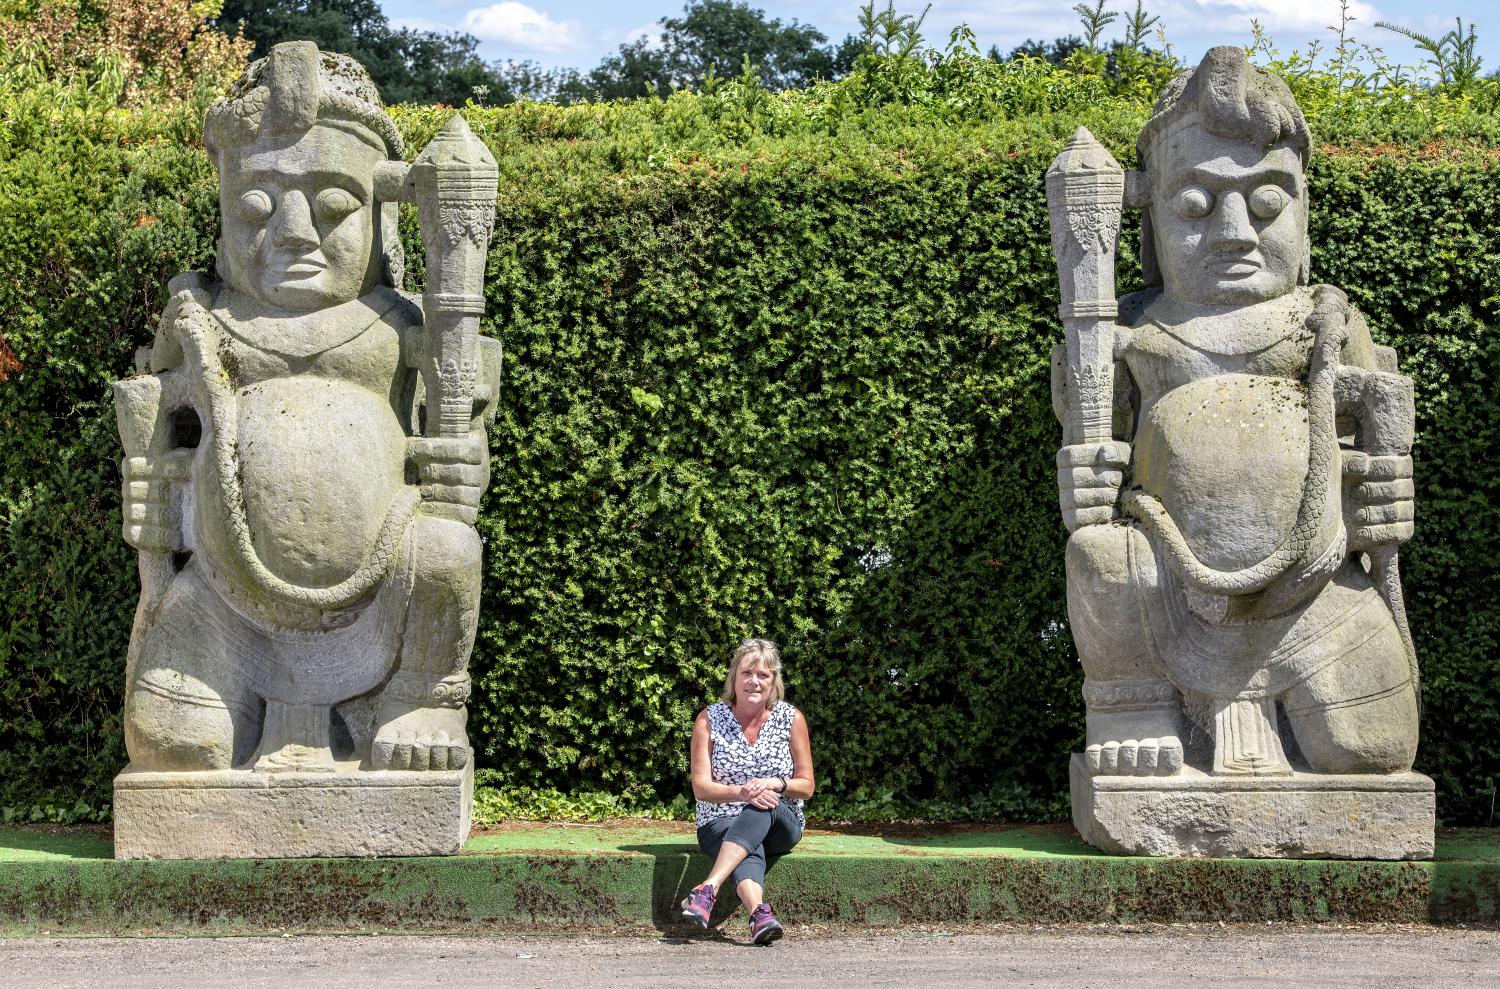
(305, 453)
(1236, 478)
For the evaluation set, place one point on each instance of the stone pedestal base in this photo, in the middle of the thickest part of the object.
(1300, 816)
(238, 813)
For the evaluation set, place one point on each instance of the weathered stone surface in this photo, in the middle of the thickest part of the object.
(1236, 479)
(1304, 815)
(305, 454)
(240, 813)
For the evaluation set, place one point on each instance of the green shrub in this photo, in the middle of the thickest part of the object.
(775, 365)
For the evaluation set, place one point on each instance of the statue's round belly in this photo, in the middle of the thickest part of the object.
(1227, 456)
(321, 461)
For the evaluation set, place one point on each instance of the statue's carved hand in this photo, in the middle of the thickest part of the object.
(452, 472)
(1089, 476)
(1379, 508)
(146, 501)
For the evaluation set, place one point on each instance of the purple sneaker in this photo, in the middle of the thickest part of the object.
(699, 905)
(763, 926)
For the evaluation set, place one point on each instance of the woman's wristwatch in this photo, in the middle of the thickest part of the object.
(783, 784)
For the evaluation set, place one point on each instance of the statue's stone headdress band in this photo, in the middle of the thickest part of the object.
(291, 89)
(1230, 98)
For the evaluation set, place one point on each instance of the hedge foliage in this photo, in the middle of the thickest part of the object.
(771, 368)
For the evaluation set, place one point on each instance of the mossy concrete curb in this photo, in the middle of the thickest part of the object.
(628, 877)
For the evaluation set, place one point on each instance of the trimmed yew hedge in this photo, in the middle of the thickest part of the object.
(762, 377)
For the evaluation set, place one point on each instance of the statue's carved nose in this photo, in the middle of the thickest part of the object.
(292, 225)
(1233, 228)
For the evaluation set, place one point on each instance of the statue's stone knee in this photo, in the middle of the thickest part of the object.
(165, 731)
(448, 556)
(1377, 735)
(1098, 556)
(1107, 597)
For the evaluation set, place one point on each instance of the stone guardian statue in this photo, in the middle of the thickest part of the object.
(305, 454)
(1236, 477)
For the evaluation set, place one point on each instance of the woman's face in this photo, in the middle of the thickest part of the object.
(752, 682)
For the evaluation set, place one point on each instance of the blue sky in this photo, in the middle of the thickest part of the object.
(578, 33)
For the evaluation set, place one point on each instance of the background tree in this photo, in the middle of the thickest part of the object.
(408, 66)
(1054, 52)
(122, 51)
(716, 36)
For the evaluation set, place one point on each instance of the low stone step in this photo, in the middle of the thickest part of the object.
(628, 876)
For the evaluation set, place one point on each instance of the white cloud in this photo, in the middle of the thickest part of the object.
(1290, 22)
(651, 34)
(523, 27)
(1298, 18)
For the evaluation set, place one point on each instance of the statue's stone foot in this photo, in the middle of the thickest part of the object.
(1135, 757)
(421, 738)
(1133, 743)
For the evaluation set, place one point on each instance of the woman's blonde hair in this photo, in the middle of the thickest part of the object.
(762, 651)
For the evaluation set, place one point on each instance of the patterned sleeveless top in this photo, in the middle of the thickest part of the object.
(734, 761)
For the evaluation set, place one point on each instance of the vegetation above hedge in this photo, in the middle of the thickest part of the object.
(776, 364)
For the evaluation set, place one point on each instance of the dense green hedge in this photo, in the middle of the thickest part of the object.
(764, 378)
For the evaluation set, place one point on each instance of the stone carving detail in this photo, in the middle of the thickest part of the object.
(1236, 479)
(305, 453)
(469, 221)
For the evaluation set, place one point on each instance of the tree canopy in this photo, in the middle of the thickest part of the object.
(715, 37)
(408, 66)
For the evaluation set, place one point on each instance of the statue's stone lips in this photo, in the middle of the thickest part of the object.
(302, 267)
(1233, 266)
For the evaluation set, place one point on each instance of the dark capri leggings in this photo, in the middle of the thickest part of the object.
(762, 833)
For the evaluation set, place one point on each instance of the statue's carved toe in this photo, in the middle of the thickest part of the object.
(422, 739)
(1135, 757)
(441, 752)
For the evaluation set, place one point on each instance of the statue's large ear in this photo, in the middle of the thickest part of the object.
(1304, 273)
(1138, 196)
(393, 255)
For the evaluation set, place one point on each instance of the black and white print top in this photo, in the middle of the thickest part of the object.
(734, 761)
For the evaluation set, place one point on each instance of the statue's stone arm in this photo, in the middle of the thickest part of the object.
(1090, 475)
(158, 429)
(1377, 401)
(455, 472)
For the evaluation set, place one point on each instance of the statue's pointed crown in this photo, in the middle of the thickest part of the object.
(289, 91)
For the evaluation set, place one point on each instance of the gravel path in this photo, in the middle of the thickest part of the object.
(1157, 957)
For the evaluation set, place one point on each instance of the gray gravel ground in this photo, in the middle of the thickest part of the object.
(1155, 957)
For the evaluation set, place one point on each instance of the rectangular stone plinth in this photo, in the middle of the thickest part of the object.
(240, 813)
(1300, 816)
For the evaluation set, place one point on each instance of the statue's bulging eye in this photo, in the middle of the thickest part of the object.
(256, 206)
(1193, 203)
(335, 204)
(1268, 201)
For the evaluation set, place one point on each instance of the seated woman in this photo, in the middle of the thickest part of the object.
(752, 768)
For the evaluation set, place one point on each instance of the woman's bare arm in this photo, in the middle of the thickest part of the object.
(803, 782)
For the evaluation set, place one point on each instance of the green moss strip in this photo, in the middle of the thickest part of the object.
(630, 879)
